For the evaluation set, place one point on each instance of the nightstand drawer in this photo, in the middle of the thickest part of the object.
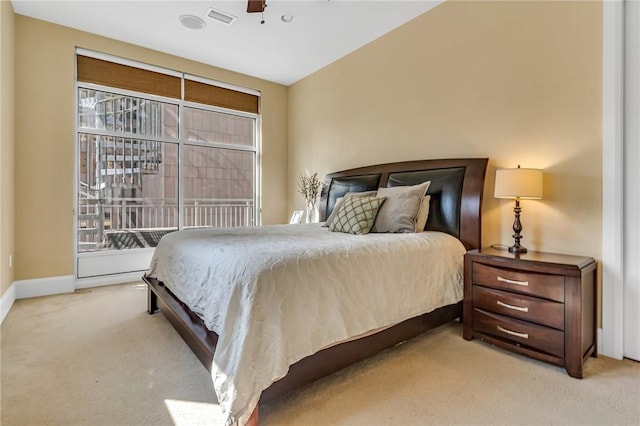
(539, 285)
(540, 311)
(524, 333)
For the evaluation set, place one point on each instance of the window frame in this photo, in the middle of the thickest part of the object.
(87, 263)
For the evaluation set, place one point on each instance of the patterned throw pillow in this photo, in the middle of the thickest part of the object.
(356, 215)
(340, 200)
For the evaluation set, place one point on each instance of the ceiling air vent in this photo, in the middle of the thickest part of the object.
(223, 17)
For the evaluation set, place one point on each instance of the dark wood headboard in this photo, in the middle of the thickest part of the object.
(456, 191)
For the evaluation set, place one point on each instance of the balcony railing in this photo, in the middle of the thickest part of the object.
(98, 220)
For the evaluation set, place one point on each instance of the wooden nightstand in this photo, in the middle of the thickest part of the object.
(538, 304)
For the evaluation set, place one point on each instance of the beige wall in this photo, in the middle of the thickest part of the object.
(518, 82)
(7, 142)
(45, 139)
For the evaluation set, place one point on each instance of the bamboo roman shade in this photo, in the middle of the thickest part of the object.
(195, 91)
(106, 73)
(98, 71)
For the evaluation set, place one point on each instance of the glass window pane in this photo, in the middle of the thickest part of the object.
(210, 126)
(128, 192)
(128, 178)
(218, 187)
(130, 114)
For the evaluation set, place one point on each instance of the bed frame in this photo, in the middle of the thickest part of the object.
(456, 197)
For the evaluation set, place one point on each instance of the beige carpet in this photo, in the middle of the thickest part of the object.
(96, 358)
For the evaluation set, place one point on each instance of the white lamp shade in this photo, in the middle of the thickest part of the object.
(518, 183)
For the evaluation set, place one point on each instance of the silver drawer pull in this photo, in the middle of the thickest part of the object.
(505, 280)
(515, 308)
(513, 333)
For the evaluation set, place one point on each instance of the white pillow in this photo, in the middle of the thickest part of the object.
(423, 214)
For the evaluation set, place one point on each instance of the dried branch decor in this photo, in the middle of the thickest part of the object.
(309, 186)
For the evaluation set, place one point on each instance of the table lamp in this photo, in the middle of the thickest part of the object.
(518, 184)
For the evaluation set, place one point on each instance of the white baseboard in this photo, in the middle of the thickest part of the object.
(6, 301)
(24, 289)
(44, 286)
(109, 279)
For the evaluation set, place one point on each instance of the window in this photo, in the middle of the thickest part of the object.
(152, 159)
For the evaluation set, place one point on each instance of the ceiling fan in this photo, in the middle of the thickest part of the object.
(256, 6)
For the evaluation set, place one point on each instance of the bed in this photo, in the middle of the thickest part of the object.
(455, 195)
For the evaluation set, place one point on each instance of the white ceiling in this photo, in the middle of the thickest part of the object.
(322, 30)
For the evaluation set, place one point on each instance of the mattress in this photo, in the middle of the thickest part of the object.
(276, 294)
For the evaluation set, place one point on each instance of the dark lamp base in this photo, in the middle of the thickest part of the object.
(517, 228)
(517, 249)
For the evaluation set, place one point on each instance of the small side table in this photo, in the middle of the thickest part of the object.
(542, 305)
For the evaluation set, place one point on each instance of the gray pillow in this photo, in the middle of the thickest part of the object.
(340, 200)
(400, 209)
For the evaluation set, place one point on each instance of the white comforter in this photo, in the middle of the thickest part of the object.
(276, 294)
